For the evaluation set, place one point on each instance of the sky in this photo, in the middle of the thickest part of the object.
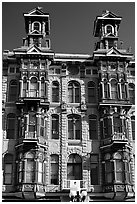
(71, 24)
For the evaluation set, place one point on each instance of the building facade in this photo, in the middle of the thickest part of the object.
(68, 117)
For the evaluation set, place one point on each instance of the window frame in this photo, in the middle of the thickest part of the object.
(8, 160)
(54, 164)
(13, 90)
(74, 121)
(75, 164)
(74, 92)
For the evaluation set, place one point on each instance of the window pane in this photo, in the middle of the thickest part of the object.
(54, 173)
(29, 176)
(119, 166)
(119, 177)
(55, 92)
(30, 166)
(7, 179)
(55, 127)
(92, 127)
(70, 95)
(77, 95)
(117, 125)
(8, 168)
(109, 177)
(39, 177)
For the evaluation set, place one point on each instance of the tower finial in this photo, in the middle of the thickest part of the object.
(40, 8)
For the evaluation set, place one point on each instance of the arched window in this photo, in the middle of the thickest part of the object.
(108, 169)
(43, 88)
(74, 127)
(73, 92)
(109, 29)
(24, 86)
(54, 162)
(133, 126)
(55, 91)
(13, 90)
(11, 119)
(30, 168)
(119, 167)
(33, 87)
(114, 91)
(131, 88)
(55, 127)
(91, 92)
(93, 127)
(8, 169)
(36, 26)
(74, 167)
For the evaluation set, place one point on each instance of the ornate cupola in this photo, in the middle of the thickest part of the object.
(106, 29)
(37, 28)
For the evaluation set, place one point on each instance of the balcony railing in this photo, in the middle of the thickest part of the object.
(30, 135)
(116, 137)
(80, 184)
(119, 136)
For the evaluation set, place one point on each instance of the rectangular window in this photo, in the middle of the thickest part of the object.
(57, 71)
(94, 170)
(8, 174)
(12, 70)
(88, 71)
(55, 128)
(108, 172)
(94, 71)
(93, 129)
